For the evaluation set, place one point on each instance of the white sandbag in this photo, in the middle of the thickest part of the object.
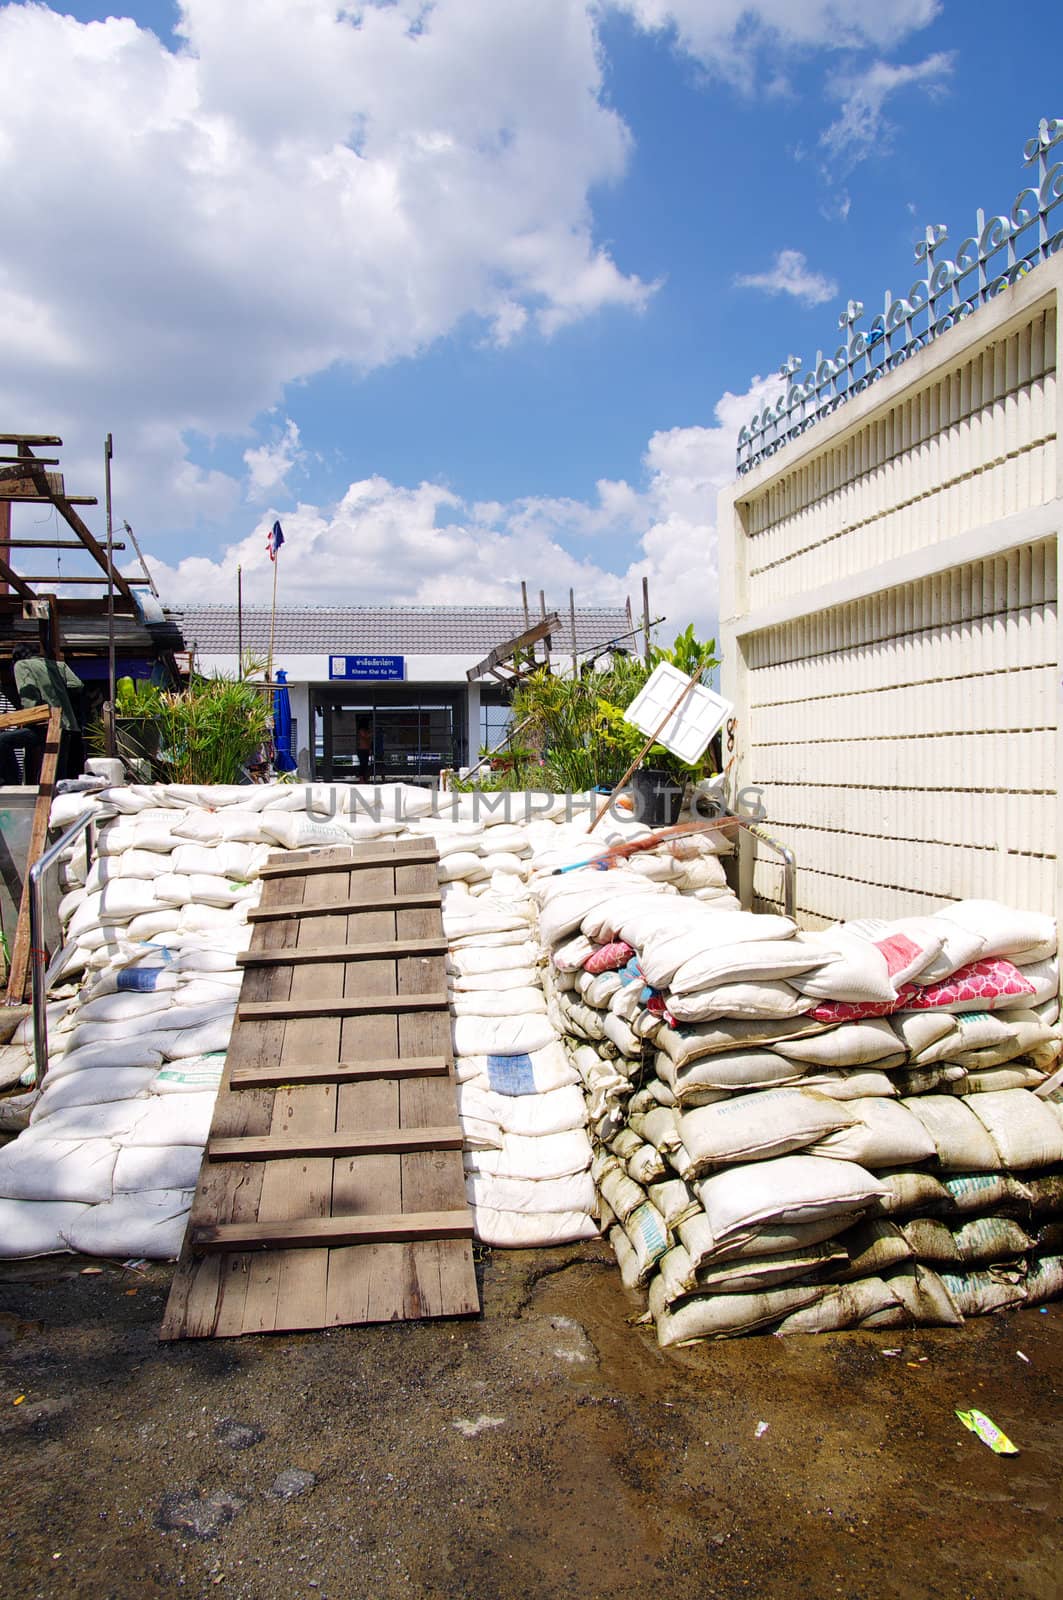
(136, 1051)
(37, 1166)
(213, 990)
(92, 1086)
(570, 956)
(157, 1167)
(212, 919)
(572, 1193)
(464, 864)
(152, 924)
(144, 864)
(500, 1036)
(151, 1223)
(725, 1315)
(853, 969)
(745, 963)
(300, 832)
(189, 1075)
(147, 975)
(170, 889)
(173, 1119)
(701, 1245)
(730, 1069)
(130, 1005)
(1024, 1132)
(852, 1083)
(475, 923)
(694, 1042)
(755, 1127)
(764, 998)
(531, 1230)
(471, 960)
(204, 889)
(508, 979)
(556, 1155)
(533, 1114)
(1003, 930)
(695, 930)
(673, 1200)
(112, 1120)
(203, 1039)
(788, 1189)
(854, 1044)
(35, 1227)
(237, 826)
(207, 958)
(536, 1072)
(886, 1135)
(961, 1140)
(617, 1030)
(526, 1002)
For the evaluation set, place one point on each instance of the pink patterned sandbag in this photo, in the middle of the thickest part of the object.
(609, 957)
(979, 986)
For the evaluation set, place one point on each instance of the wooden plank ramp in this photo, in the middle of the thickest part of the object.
(332, 1190)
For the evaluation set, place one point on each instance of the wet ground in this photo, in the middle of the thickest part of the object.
(549, 1449)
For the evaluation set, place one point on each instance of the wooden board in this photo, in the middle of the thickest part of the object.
(407, 851)
(373, 951)
(18, 971)
(372, 1142)
(340, 1071)
(333, 1189)
(339, 1006)
(387, 902)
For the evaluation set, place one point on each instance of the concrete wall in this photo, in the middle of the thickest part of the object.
(888, 595)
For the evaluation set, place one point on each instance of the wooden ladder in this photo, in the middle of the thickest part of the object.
(332, 1189)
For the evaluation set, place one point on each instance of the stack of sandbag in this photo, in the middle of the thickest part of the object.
(810, 1131)
(148, 982)
(522, 1111)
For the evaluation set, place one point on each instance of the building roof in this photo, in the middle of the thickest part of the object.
(398, 630)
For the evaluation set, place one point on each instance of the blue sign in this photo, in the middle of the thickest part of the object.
(366, 669)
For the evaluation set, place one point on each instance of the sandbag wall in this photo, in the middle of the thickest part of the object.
(802, 1132)
(145, 992)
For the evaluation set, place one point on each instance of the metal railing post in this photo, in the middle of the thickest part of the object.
(37, 956)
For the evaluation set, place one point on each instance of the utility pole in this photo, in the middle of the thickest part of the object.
(108, 452)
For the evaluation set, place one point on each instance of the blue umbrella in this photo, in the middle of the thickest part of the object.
(282, 725)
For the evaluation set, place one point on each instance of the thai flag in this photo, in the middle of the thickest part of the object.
(274, 540)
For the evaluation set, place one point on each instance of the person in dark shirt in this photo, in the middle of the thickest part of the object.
(41, 682)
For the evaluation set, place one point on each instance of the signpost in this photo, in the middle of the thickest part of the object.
(367, 669)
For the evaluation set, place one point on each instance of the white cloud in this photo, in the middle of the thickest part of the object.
(791, 275)
(731, 36)
(387, 543)
(301, 184)
(268, 466)
(862, 127)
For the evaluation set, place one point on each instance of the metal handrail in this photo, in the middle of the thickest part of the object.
(37, 961)
(789, 891)
(788, 858)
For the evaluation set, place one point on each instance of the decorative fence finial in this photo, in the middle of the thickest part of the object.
(1000, 251)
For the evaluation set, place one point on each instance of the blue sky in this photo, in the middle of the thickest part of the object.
(456, 289)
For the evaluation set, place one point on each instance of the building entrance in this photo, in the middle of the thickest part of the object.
(367, 737)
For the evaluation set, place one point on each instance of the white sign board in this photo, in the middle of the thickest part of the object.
(700, 714)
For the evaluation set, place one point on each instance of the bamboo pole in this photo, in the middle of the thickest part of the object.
(669, 714)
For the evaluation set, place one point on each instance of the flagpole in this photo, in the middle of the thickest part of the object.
(273, 617)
